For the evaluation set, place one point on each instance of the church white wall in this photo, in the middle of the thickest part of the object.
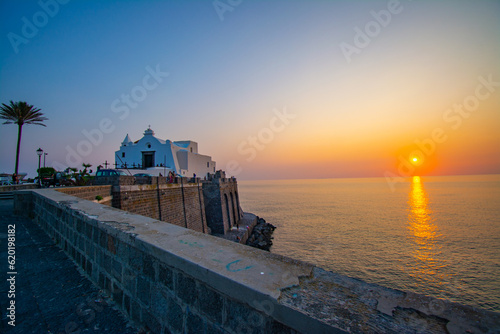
(200, 164)
(188, 145)
(131, 156)
(180, 156)
(182, 159)
(133, 152)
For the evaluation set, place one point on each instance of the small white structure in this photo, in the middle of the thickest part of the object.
(156, 156)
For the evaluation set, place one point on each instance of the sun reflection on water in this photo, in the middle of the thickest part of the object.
(425, 237)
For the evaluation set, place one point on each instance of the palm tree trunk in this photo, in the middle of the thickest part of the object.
(19, 132)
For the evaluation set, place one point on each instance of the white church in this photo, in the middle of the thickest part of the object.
(154, 156)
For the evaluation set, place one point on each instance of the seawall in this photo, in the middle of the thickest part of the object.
(178, 204)
(90, 193)
(15, 187)
(207, 206)
(6, 191)
(172, 279)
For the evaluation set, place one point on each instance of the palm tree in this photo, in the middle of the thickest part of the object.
(21, 113)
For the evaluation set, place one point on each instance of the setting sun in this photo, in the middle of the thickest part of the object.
(415, 161)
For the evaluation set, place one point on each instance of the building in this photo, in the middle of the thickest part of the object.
(153, 155)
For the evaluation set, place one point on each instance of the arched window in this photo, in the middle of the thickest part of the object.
(227, 210)
(232, 209)
(237, 204)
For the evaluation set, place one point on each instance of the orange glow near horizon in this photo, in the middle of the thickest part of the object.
(367, 140)
(308, 149)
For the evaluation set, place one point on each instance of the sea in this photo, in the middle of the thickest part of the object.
(438, 236)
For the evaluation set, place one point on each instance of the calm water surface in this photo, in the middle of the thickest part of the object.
(438, 236)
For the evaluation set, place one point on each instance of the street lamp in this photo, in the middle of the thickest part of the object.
(45, 154)
(39, 152)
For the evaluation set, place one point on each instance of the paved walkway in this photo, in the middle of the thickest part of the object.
(51, 295)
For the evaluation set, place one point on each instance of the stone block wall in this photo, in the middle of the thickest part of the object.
(195, 208)
(90, 193)
(213, 205)
(114, 180)
(123, 180)
(209, 206)
(175, 280)
(222, 204)
(181, 204)
(232, 212)
(15, 187)
(153, 286)
(139, 199)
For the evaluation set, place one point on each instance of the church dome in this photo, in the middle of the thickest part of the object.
(149, 132)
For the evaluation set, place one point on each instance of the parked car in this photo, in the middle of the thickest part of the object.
(57, 179)
(109, 172)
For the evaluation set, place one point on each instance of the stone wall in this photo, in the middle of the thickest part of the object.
(222, 204)
(114, 180)
(213, 207)
(15, 187)
(90, 193)
(175, 280)
(181, 204)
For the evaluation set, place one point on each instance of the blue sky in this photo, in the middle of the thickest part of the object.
(228, 77)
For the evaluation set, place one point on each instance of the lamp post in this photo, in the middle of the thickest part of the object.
(44, 155)
(39, 152)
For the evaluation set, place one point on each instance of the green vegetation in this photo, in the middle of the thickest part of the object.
(46, 171)
(82, 177)
(21, 113)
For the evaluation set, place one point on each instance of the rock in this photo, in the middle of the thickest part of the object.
(261, 235)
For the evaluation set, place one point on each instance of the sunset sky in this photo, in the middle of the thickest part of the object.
(269, 89)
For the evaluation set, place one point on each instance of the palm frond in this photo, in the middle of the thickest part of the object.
(21, 113)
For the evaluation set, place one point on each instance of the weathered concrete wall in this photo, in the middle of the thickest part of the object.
(173, 279)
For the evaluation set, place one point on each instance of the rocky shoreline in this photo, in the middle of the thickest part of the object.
(261, 236)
